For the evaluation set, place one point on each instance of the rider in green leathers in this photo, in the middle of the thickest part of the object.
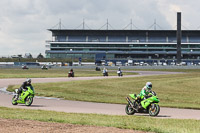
(23, 86)
(144, 92)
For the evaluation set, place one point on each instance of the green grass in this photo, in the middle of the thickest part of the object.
(180, 91)
(39, 73)
(142, 123)
(56, 72)
(169, 70)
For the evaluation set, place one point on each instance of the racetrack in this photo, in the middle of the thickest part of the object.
(60, 105)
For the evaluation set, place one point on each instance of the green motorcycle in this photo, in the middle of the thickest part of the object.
(148, 105)
(26, 96)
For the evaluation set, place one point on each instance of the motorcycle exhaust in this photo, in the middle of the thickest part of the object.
(129, 101)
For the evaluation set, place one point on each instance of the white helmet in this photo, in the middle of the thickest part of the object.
(149, 85)
(28, 81)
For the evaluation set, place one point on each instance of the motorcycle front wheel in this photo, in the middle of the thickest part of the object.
(129, 110)
(154, 109)
(14, 102)
(28, 101)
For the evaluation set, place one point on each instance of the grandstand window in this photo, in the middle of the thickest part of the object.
(156, 39)
(61, 38)
(194, 39)
(96, 38)
(172, 38)
(185, 46)
(53, 45)
(194, 46)
(136, 39)
(117, 39)
(77, 38)
(184, 39)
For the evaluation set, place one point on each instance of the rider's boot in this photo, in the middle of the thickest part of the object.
(139, 106)
(17, 96)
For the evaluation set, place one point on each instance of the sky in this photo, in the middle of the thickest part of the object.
(24, 23)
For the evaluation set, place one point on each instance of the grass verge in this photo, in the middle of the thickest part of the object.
(142, 123)
(39, 73)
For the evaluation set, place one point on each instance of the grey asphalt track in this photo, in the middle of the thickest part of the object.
(60, 105)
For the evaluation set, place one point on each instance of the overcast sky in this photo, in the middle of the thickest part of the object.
(24, 23)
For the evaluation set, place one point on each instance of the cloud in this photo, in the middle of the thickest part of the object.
(24, 23)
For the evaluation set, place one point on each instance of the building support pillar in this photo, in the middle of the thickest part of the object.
(178, 37)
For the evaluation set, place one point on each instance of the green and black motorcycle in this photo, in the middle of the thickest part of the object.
(148, 105)
(26, 96)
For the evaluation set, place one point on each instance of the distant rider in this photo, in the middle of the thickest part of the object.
(105, 72)
(71, 73)
(119, 71)
(23, 86)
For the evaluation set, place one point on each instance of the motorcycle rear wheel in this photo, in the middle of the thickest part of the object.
(129, 110)
(14, 102)
(154, 109)
(28, 101)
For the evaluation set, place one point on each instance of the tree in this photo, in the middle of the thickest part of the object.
(40, 56)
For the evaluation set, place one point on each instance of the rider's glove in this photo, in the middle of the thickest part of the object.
(136, 98)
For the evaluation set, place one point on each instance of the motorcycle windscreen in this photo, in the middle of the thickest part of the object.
(132, 96)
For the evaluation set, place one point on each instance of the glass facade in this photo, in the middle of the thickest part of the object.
(118, 44)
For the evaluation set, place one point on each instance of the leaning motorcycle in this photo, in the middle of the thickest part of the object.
(105, 74)
(148, 105)
(119, 73)
(26, 96)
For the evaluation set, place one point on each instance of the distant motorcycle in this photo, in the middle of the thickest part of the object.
(25, 67)
(148, 105)
(98, 69)
(70, 74)
(44, 67)
(105, 74)
(26, 97)
(120, 74)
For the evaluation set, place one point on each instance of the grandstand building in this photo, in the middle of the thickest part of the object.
(121, 45)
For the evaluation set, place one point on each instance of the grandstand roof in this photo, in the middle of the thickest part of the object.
(119, 32)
